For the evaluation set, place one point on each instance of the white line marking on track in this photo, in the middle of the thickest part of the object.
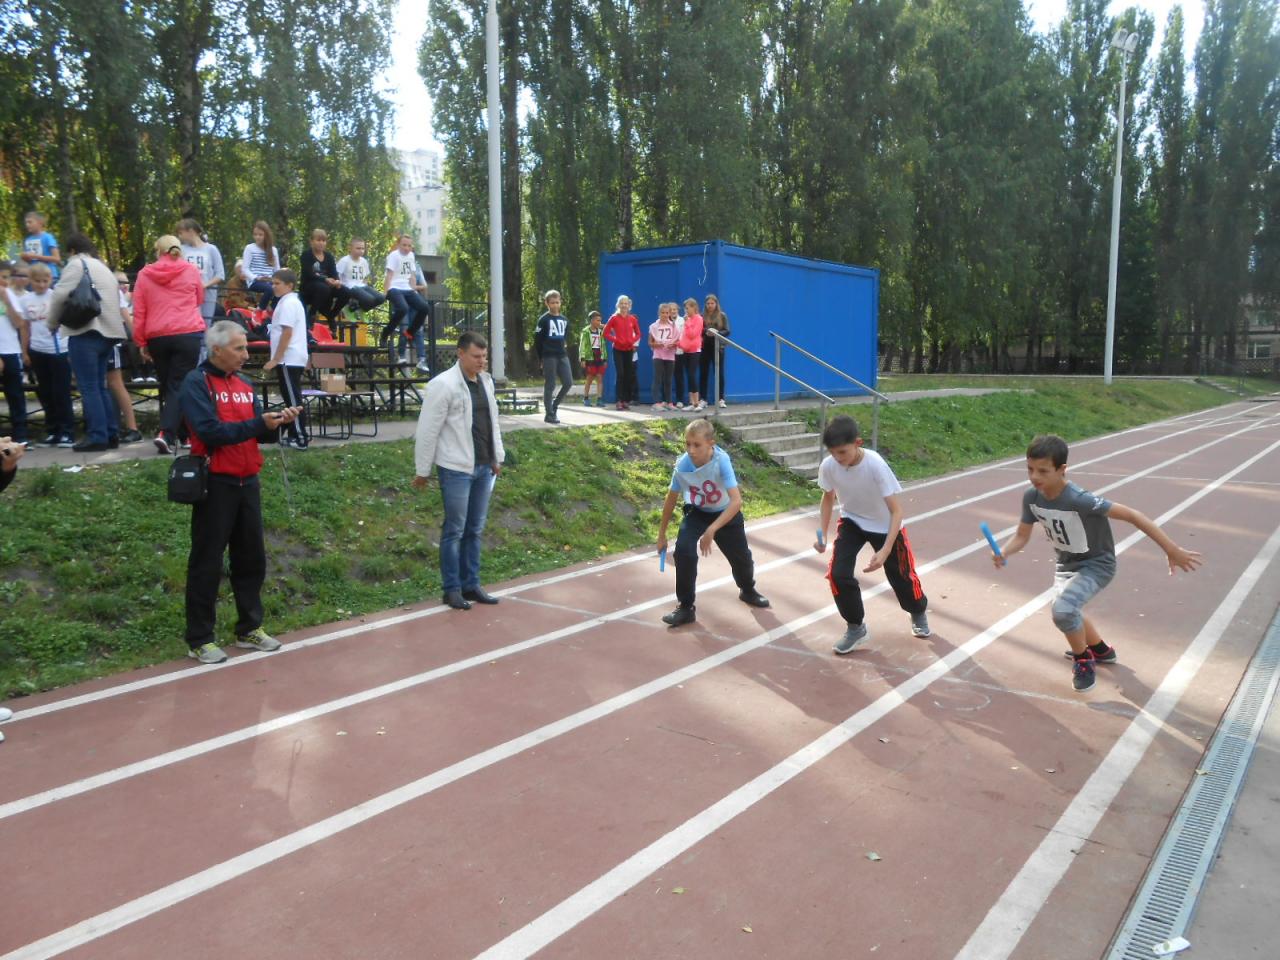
(583, 904)
(576, 908)
(1011, 916)
(200, 748)
(295, 646)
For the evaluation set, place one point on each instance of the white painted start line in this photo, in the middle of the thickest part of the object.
(581, 905)
(200, 748)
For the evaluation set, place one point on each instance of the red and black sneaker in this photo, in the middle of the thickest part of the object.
(1082, 676)
(1108, 655)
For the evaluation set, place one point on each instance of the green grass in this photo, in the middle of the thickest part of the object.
(92, 565)
(934, 435)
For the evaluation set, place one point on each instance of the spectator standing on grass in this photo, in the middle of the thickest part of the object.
(714, 321)
(549, 339)
(258, 262)
(289, 351)
(90, 347)
(206, 258)
(49, 361)
(458, 434)
(169, 329)
(623, 331)
(227, 423)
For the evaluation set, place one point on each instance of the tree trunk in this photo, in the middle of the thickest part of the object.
(512, 271)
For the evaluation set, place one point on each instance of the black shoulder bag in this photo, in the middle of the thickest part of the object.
(189, 474)
(83, 304)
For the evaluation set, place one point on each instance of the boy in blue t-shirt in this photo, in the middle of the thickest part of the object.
(39, 246)
(704, 480)
(1077, 523)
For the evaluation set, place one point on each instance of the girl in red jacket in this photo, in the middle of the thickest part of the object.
(623, 331)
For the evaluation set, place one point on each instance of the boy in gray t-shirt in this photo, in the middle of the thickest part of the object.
(1078, 525)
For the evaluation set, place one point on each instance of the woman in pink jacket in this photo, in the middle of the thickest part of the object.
(169, 330)
(691, 344)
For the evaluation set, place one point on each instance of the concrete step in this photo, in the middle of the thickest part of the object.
(790, 458)
(734, 419)
(807, 469)
(777, 446)
(759, 432)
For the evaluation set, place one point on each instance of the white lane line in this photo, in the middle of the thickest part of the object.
(200, 748)
(174, 893)
(296, 645)
(576, 908)
(1011, 916)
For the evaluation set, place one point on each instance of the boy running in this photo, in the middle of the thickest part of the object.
(869, 513)
(1077, 523)
(705, 481)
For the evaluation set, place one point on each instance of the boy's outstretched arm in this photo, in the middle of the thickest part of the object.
(1013, 544)
(824, 520)
(1179, 558)
(668, 507)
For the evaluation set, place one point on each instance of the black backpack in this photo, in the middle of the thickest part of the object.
(83, 304)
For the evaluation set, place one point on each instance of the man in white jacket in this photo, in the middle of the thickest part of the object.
(458, 434)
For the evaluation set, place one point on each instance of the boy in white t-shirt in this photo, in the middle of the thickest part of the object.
(869, 513)
(288, 333)
(712, 505)
(354, 272)
(13, 348)
(409, 311)
(49, 361)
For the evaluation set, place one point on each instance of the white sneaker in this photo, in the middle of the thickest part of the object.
(721, 404)
(422, 367)
(5, 714)
(657, 406)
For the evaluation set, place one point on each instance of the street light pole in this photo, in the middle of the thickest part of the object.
(1126, 43)
(497, 345)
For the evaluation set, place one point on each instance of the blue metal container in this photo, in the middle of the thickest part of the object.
(830, 309)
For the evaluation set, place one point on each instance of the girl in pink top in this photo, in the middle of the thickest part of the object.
(691, 344)
(662, 341)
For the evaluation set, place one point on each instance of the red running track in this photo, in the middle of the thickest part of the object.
(561, 775)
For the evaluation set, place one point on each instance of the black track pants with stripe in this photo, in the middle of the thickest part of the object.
(900, 568)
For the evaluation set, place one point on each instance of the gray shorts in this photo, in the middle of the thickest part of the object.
(1074, 588)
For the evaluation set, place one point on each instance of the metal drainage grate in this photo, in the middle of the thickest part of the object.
(1163, 906)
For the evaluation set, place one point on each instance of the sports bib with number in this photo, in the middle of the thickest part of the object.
(706, 487)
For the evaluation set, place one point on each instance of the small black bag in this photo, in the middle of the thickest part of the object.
(189, 479)
(83, 304)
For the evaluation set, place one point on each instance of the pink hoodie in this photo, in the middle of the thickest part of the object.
(691, 338)
(166, 300)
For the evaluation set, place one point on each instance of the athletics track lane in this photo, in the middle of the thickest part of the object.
(525, 821)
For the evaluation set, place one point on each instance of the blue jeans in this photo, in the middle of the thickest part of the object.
(88, 353)
(409, 313)
(15, 394)
(466, 506)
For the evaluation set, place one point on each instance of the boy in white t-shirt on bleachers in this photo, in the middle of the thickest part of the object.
(870, 513)
(354, 272)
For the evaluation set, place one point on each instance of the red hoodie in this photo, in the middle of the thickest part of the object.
(166, 300)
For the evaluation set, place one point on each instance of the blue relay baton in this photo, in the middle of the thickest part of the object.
(822, 538)
(662, 560)
(986, 532)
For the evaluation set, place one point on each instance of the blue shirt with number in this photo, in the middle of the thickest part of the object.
(706, 487)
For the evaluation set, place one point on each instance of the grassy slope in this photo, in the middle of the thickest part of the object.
(92, 564)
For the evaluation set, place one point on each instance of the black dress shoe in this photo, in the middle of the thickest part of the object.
(550, 419)
(113, 443)
(86, 446)
(454, 599)
(479, 596)
(679, 617)
(753, 598)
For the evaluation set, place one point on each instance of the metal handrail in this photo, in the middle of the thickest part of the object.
(877, 396)
(720, 340)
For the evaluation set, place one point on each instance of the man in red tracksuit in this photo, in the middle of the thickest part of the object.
(226, 422)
